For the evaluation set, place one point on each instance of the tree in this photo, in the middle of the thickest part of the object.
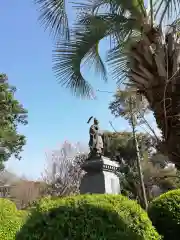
(20, 190)
(163, 176)
(129, 107)
(7, 178)
(63, 173)
(142, 52)
(156, 171)
(154, 166)
(156, 180)
(119, 107)
(128, 104)
(121, 145)
(12, 114)
(24, 192)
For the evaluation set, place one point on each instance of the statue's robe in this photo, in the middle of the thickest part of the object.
(95, 141)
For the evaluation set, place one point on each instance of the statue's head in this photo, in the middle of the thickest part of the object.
(96, 121)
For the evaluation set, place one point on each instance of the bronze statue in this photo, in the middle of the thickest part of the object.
(95, 141)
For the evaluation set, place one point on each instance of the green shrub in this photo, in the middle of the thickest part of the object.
(88, 217)
(10, 219)
(164, 212)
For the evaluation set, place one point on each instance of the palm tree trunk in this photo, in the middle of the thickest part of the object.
(156, 73)
(138, 158)
(167, 115)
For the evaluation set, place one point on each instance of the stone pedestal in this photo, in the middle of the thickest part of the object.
(101, 176)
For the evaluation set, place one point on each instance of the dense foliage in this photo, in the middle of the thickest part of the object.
(11, 115)
(121, 144)
(89, 217)
(164, 212)
(10, 219)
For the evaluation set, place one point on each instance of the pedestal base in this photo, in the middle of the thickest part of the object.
(101, 177)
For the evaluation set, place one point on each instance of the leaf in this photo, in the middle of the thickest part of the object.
(135, 7)
(53, 16)
(166, 10)
(84, 48)
(12, 114)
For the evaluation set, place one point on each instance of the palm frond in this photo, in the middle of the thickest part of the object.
(54, 17)
(116, 58)
(166, 10)
(84, 48)
(135, 7)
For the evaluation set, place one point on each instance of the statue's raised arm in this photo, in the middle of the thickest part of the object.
(95, 141)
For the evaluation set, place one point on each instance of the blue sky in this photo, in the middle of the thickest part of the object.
(54, 115)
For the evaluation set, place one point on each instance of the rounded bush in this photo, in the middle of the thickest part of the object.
(7, 204)
(88, 217)
(164, 212)
(10, 219)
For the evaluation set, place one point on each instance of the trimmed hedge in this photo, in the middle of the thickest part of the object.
(164, 212)
(10, 219)
(88, 217)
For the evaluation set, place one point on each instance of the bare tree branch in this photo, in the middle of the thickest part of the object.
(63, 173)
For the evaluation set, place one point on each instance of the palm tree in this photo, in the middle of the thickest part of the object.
(144, 52)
